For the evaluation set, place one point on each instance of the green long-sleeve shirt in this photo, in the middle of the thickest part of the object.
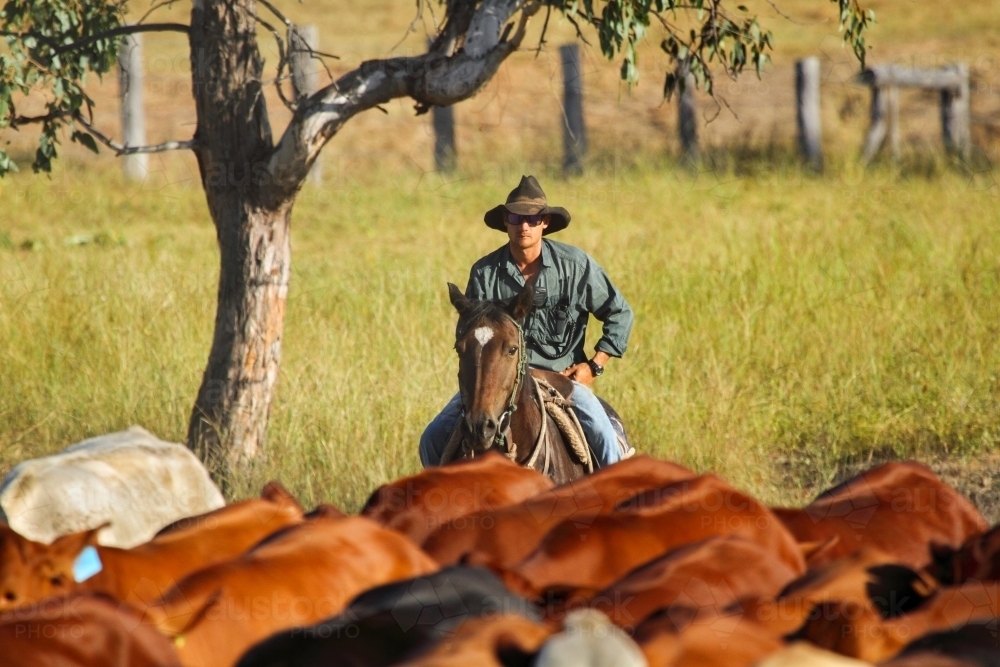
(574, 286)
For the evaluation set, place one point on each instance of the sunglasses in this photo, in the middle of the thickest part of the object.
(513, 219)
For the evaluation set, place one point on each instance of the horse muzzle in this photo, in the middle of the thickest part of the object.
(482, 430)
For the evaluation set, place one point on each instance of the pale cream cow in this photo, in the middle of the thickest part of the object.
(131, 480)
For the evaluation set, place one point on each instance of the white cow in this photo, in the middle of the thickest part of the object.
(132, 480)
(589, 639)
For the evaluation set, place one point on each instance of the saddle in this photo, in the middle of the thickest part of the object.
(555, 393)
(560, 394)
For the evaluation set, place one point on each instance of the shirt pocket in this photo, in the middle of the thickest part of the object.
(555, 326)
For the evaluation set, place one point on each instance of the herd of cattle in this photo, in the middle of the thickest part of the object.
(486, 563)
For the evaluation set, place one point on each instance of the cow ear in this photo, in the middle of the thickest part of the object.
(816, 552)
(71, 545)
(276, 493)
(175, 619)
(521, 305)
(458, 299)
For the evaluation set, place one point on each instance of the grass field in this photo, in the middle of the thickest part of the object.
(779, 317)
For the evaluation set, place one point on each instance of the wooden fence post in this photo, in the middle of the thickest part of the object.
(885, 82)
(687, 113)
(892, 104)
(878, 128)
(955, 114)
(445, 151)
(443, 124)
(574, 129)
(807, 79)
(134, 167)
(305, 75)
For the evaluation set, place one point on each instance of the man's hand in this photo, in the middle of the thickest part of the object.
(580, 373)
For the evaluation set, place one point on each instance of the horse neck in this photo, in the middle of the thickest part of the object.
(527, 419)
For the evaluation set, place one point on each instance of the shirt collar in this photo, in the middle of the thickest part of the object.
(507, 261)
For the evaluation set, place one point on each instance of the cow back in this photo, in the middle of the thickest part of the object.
(83, 630)
(307, 573)
(386, 624)
(708, 575)
(505, 536)
(900, 508)
(595, 554)
(418, 505)
(142, 574)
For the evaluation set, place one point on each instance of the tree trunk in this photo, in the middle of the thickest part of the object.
(229, 422)
(229, 419)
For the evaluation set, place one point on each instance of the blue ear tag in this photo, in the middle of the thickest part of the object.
(87, 564)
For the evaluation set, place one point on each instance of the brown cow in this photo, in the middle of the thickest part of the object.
(704, 638)
(297, 577)
(486, 642)
(900, 508)
(30, 571)
(416, 506)
(504, 537)
(867, 579)
(846, 606)
(978, 559)
(82, 630)
(953, 608)
(595, 555)
(713, 573)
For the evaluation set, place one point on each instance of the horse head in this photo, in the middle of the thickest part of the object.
(492, 363)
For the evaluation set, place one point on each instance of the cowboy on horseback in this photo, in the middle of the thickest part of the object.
(569, 286)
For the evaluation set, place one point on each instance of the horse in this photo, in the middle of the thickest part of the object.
(502, 404)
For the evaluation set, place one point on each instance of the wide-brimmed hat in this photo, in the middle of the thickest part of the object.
(527, 199)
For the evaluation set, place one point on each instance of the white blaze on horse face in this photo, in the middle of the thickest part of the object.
(483, 335)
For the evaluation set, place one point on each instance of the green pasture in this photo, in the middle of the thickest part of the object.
(779, 316)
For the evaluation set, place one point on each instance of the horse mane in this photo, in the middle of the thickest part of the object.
(495, 311)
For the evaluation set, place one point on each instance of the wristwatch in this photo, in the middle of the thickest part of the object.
(595, 369)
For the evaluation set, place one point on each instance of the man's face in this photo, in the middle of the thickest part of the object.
(523, 235)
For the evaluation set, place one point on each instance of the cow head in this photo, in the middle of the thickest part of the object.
(32, 571)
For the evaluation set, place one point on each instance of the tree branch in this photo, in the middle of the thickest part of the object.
(121, 149)
(123, 30)
(432, 79)
(16, 121)
(282, 63)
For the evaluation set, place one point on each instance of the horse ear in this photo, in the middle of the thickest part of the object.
(458, 299)
(521, 304)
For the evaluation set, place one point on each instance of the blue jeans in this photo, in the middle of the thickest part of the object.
(597, 428)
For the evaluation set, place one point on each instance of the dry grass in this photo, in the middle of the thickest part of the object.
(778, 315)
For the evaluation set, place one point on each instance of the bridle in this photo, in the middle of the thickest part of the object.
(501, 440)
